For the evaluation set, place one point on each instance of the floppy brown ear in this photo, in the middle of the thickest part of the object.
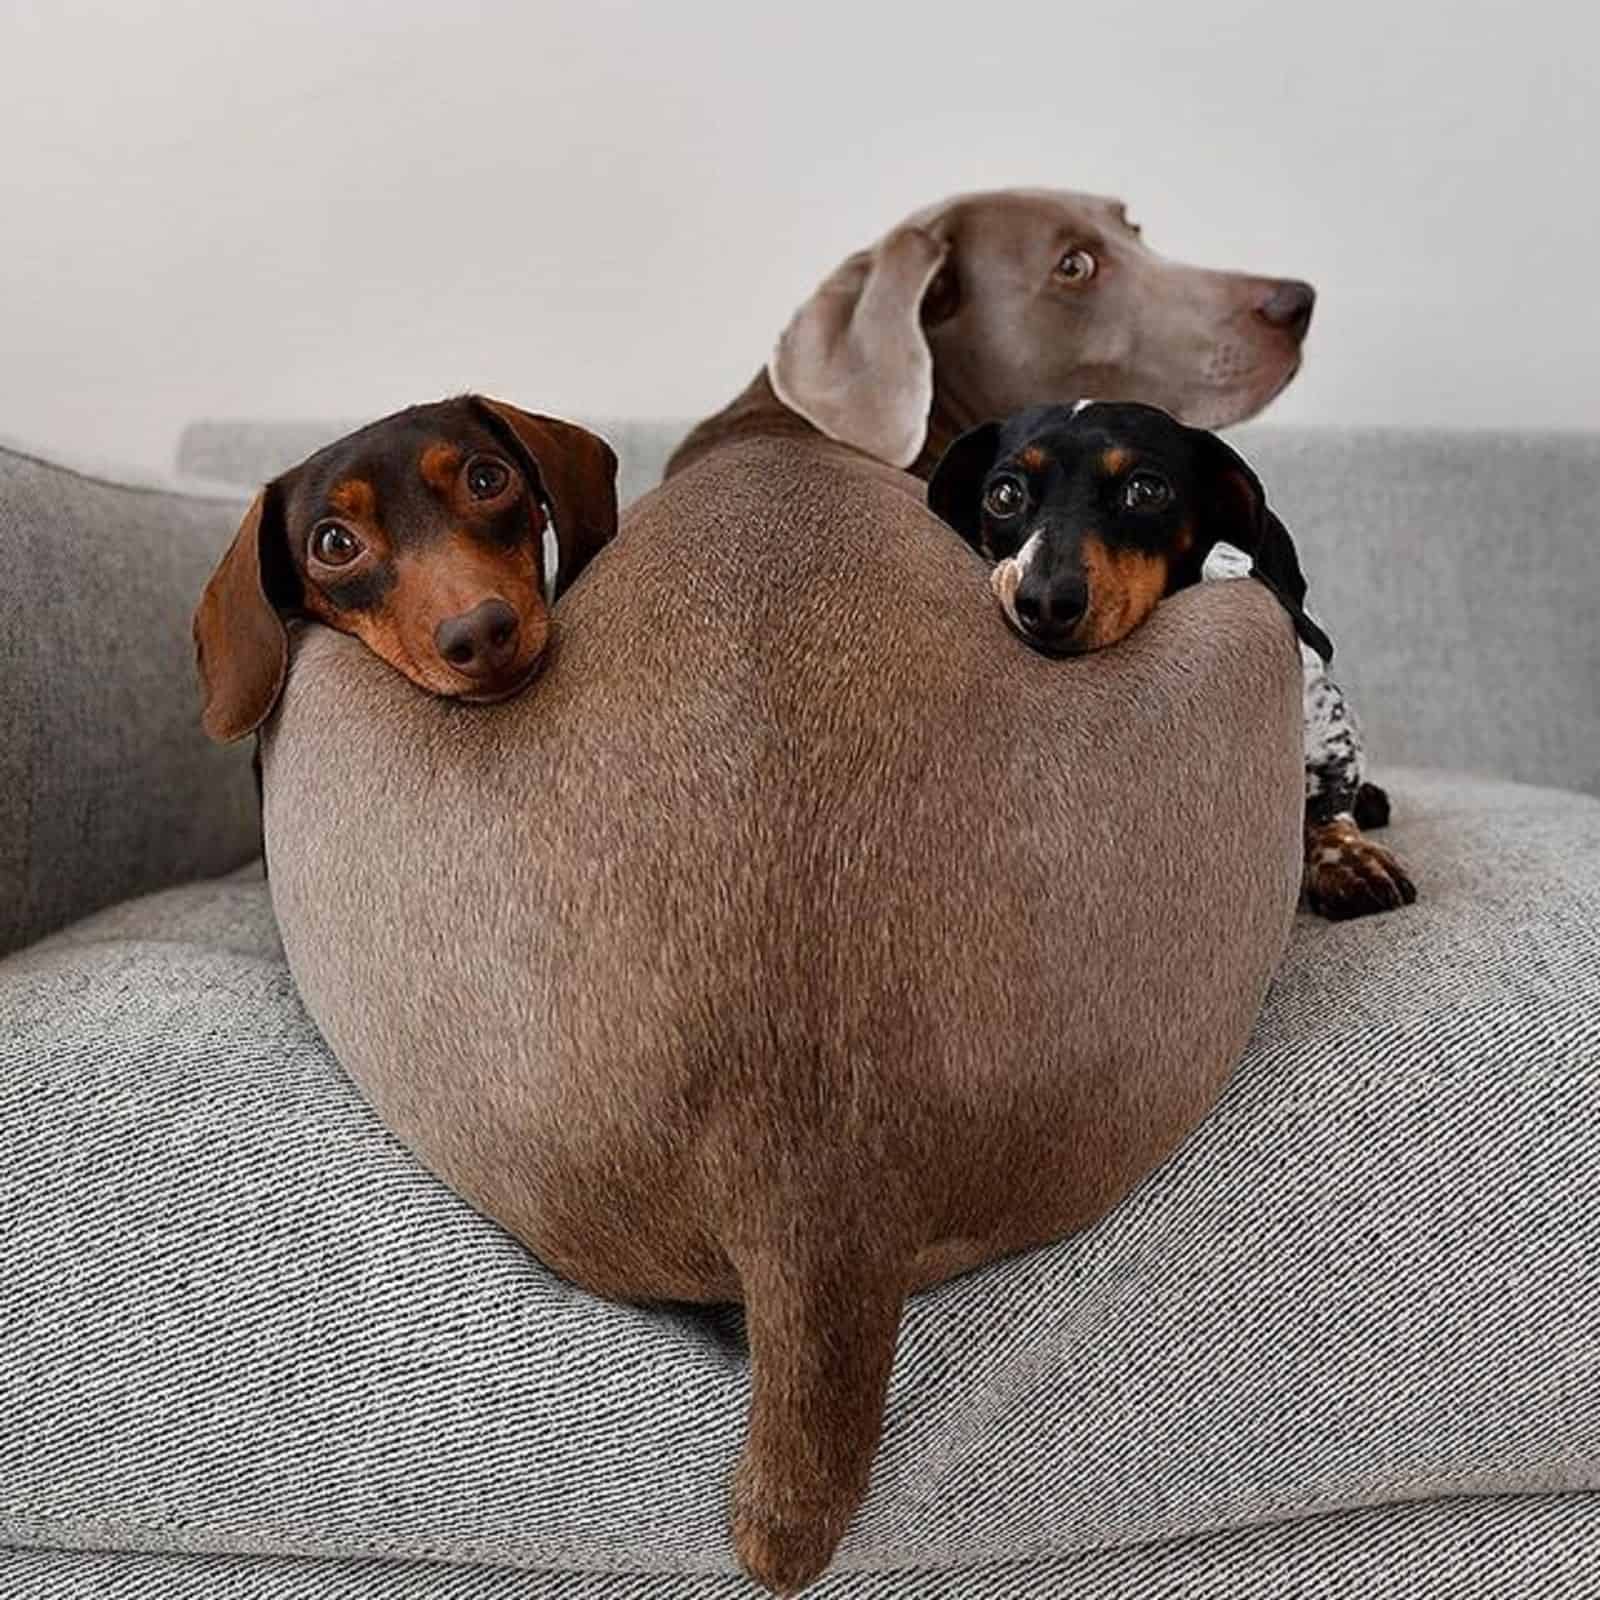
(955, 491)
(1236, 512)
(241, 645)
(853, 361)
(574, 470)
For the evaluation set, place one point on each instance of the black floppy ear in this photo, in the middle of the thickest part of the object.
(955, 491)
(1235, 512)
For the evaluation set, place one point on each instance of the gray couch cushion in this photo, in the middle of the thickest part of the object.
(1459, 574)
(107, 785)
(245, 1320)
(1536, 1547)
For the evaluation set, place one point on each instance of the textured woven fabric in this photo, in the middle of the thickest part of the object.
(107, 785)
(1537, 1547)
(238, 1317)
(1457, 572)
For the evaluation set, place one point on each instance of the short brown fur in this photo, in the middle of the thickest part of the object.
(728, 1000)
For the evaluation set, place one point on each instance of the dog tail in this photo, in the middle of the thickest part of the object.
(822, 1319)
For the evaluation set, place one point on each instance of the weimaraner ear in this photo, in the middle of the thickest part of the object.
(575, 470)
(853, 361)
(241, 645)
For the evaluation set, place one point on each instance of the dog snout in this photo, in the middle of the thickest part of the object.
(1288, 306)
(480, 643)
(1049, 610)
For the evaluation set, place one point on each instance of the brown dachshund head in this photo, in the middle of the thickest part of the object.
(1094, 512)
(986, 303)
(436, 536)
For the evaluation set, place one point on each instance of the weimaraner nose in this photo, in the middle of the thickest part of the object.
(1289, 306)
(480, 642)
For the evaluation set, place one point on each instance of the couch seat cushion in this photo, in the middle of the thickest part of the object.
(237, 1316)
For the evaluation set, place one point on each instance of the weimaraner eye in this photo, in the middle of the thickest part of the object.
(1076, 267)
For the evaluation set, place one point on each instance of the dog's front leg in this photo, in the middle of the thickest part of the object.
(1346, 874)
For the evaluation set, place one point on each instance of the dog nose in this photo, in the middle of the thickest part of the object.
(480, 642)
(1289, 306)
(1051, 610)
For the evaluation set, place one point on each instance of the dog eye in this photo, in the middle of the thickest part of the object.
(1076, 266)
(1144, 491)
(334, 545)
(487, 478)
(1005, 498)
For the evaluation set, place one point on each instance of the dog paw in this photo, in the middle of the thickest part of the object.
(1350, 876)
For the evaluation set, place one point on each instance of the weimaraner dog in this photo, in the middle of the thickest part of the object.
(981, 306)
(798, 938)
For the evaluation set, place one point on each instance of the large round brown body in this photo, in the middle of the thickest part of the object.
(799, 934)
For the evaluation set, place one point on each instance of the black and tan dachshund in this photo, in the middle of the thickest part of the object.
(1091, 514)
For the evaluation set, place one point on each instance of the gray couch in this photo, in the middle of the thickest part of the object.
(1347, 1341)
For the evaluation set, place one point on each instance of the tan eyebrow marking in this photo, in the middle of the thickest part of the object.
(355, 497)
(1032, 458)
(440, 464)
(1115, 461)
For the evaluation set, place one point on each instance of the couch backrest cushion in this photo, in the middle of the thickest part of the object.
(108, 788)
(1459, 574)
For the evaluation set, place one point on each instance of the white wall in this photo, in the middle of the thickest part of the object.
(332, 210)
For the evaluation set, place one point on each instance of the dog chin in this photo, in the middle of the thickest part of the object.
(1057, 649)
(495, 697)
(1239, 402)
